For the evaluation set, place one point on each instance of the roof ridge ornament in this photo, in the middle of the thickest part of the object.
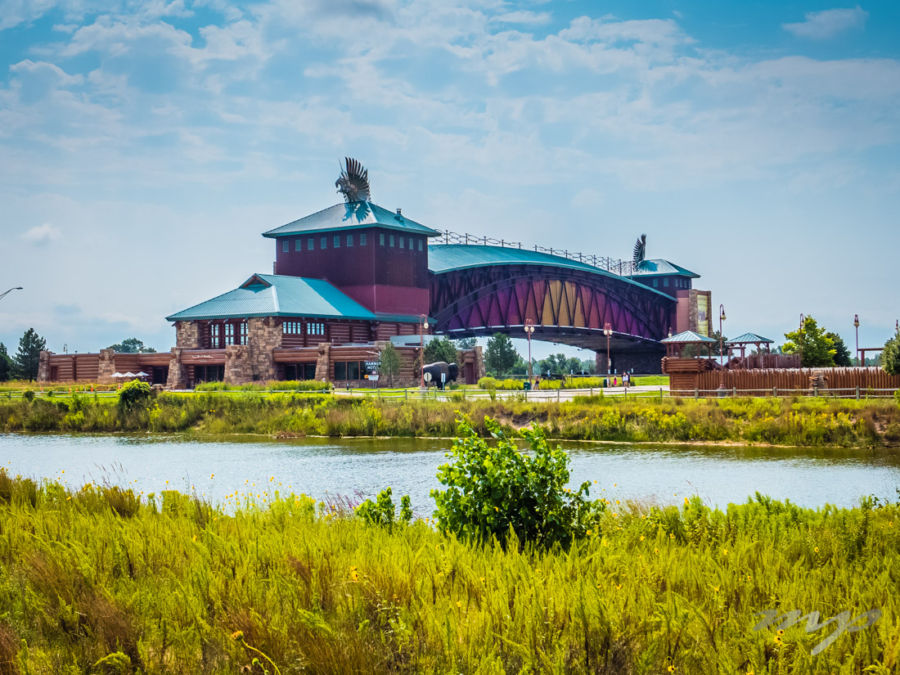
(353, 182)
(640, 250)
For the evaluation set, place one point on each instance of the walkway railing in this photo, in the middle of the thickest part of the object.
(614, 265)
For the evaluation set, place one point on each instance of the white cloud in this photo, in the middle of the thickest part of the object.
(523, 17)
(828, 23)
(40, 235)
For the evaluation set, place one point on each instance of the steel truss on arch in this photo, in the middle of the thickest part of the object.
(569, 306)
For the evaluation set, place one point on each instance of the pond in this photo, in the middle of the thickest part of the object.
(358, 468)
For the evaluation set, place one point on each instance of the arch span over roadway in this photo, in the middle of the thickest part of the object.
(482, 290)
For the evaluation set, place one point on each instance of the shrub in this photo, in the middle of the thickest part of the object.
(487, 383)
(550, 384)
(382, 511)
(134, 397)
(493, 490)
(583, 382)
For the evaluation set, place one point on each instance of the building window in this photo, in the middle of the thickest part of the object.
(337, 241)
(420, 246)
(298, 244)
(229, 334)
(285, 245)
(381, 238)
(666, 282)
(655, 283)
(350, 370)
(315, 328)
(323, 243)
(215, 336)
(349, 240)
(362, 239)
(291, 328)
(391, 239)
(243, 333)
(401, 241)
(310, 244)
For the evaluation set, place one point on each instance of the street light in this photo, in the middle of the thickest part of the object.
(721, 351)
(856, 326)
(422, 328)
(5, 293)
(607, 331)
(529, 331)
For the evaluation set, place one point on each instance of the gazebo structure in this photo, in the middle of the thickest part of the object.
(742, 341)
(675, 344)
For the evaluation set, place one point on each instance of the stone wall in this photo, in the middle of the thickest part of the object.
(323, 363)
(106, 366)
(178, 378)
(238, 369)
(44, 366)
(187, 334)
(263, 336)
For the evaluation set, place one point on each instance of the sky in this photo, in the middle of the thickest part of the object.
(146, 145)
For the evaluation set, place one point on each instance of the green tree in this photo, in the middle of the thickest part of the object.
(811, 341)
(389, 363)
(841, 353)
(500, 355)
(132, 346)
(890, 357)
(440, 349)
(6, 364)
(466, 343)
(29, 355)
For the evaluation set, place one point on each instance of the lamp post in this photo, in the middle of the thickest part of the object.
(856, 326)
(5, 293)
(721, 351)
(422, 328)
(607, 331)
(529, 331)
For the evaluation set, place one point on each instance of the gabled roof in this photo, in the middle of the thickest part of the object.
(749, 338)
(448, 257)
(348, 216)
(658, 267)
(688, 337)
(279, 295)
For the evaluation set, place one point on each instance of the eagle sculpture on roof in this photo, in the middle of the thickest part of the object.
(353, 182)
(640, 250)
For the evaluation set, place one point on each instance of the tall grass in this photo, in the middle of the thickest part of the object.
(802, 421)
(98, 581)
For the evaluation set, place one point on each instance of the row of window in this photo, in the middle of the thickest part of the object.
(350, 370)
(389, 240)
(296, 327)
(677, 282)
(227, 334)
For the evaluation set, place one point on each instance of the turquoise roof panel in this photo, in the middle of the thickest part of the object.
(278, 295)
(749, 338)
(659, 267)
(449, 257)
(351, 215)
(688, 337)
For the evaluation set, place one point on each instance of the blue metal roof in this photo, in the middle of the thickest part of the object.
(279, 295)
(659, 267)
(449, 257)
(688, 337)
(749, 338)
(351, 215)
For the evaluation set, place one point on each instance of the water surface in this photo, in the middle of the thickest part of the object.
(359, 468)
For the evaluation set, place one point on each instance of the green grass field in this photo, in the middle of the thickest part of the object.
(97, 581)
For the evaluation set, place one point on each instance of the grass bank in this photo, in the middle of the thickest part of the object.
(801, 422)
(98, 581)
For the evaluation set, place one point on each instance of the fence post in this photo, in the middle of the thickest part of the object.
(775, 391)
(815, 390)
(557, 394)
(857, 392)
(734, 392)
(660, 395)
(405, 394)
(696, 393)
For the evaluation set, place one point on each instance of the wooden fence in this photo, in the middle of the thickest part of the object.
(793, 379)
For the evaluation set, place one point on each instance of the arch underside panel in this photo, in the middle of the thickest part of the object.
(565, 306)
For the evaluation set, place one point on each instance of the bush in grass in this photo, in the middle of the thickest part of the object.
(550, 384)
(583, 382)
(493, 490)
(507, 384)
(382, 511)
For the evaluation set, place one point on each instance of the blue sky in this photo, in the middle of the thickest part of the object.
(146, 145)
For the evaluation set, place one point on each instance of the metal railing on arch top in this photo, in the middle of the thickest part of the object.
(614, 265)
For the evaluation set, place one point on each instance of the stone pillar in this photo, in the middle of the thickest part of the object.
(177, 378)
(263, 338)
(238, 369)
(44, 367)
(187, 334)
(323, 363)
(106, 366)
(479, 363)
